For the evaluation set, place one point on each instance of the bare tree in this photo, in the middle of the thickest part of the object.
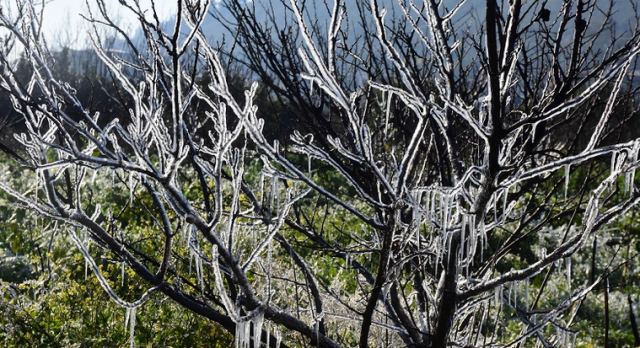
(456, 144)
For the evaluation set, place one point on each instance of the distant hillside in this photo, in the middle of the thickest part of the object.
(470, 15)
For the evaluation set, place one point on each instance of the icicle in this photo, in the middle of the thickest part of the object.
(246, 343)
(533, 131)
(257, 321)
(122, 272)
(94, 175)
(445, 211)
(388, 112)
(127, 314)
(483, 319)
(505, 196)
(199, 273)
(438, 250)
(427, 204)
(567, 168)
(278, 337)
(240, 334)
(432, 207)
(473, 237)
(569, 273)
(498, 296)
(269, 268)
(130, 324)
(463, 234)
(423, 322)
(268, 340)
(448, 237)
(186, 235)
(483, 237)
(195, 255)
(635, 152)
(495, 206)
(274, 186)
(558, 263)
(131, 188)
(132, 327)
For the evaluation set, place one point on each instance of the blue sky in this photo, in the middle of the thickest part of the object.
(63, 24)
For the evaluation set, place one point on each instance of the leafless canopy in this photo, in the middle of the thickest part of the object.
(454, 131)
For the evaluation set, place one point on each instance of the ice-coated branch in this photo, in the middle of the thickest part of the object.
(422, 148)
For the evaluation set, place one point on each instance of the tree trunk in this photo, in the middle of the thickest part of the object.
(634, 323)
(447, 304)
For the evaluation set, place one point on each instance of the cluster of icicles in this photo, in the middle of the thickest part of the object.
(245, 335)
(440, 208)
(130, 307)
(249, 327)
